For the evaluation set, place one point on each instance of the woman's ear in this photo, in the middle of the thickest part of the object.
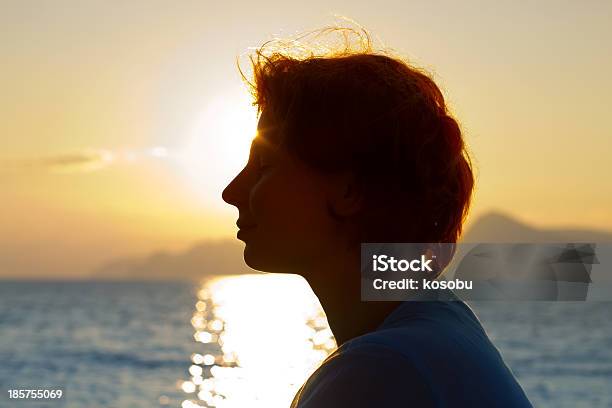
(345, 194)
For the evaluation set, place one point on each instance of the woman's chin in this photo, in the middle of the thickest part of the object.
(262, 261)
(254, 258)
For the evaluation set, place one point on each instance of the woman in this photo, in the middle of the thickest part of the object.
(358, 146)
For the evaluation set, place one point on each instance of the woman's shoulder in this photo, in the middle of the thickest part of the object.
(444, 346)
(433, 353)
(366, 375)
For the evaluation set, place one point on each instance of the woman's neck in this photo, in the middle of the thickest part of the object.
(337, 284)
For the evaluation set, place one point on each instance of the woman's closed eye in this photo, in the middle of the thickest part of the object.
(264, 162)
(261, 160)
(264, 166)
(260, 165)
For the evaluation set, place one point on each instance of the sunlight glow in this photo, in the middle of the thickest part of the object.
(219, 144)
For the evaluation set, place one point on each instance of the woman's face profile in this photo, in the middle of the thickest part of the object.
(282, 204)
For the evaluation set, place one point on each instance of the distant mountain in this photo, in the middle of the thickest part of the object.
(498, 227)
(206, 258)
(225, 257)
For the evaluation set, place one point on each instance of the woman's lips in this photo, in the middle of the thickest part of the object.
(243, 224)
(243, 229)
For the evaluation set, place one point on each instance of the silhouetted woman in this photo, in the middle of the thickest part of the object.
(358, 146)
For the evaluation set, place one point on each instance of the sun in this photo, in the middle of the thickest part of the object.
(218, 146)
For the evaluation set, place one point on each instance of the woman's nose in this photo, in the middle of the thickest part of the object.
(228, 193)
(233, 192)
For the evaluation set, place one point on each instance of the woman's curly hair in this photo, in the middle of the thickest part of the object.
(350, 108)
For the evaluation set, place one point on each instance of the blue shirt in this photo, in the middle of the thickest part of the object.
(425, 354)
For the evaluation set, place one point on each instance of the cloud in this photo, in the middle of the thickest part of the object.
(70, 162)
(80, 161)
(85, 160)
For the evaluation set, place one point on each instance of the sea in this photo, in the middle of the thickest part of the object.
(249, 341)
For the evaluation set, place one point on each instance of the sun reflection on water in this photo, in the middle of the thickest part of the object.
(258, 338)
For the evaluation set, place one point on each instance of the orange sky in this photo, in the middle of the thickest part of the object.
(122, 123)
